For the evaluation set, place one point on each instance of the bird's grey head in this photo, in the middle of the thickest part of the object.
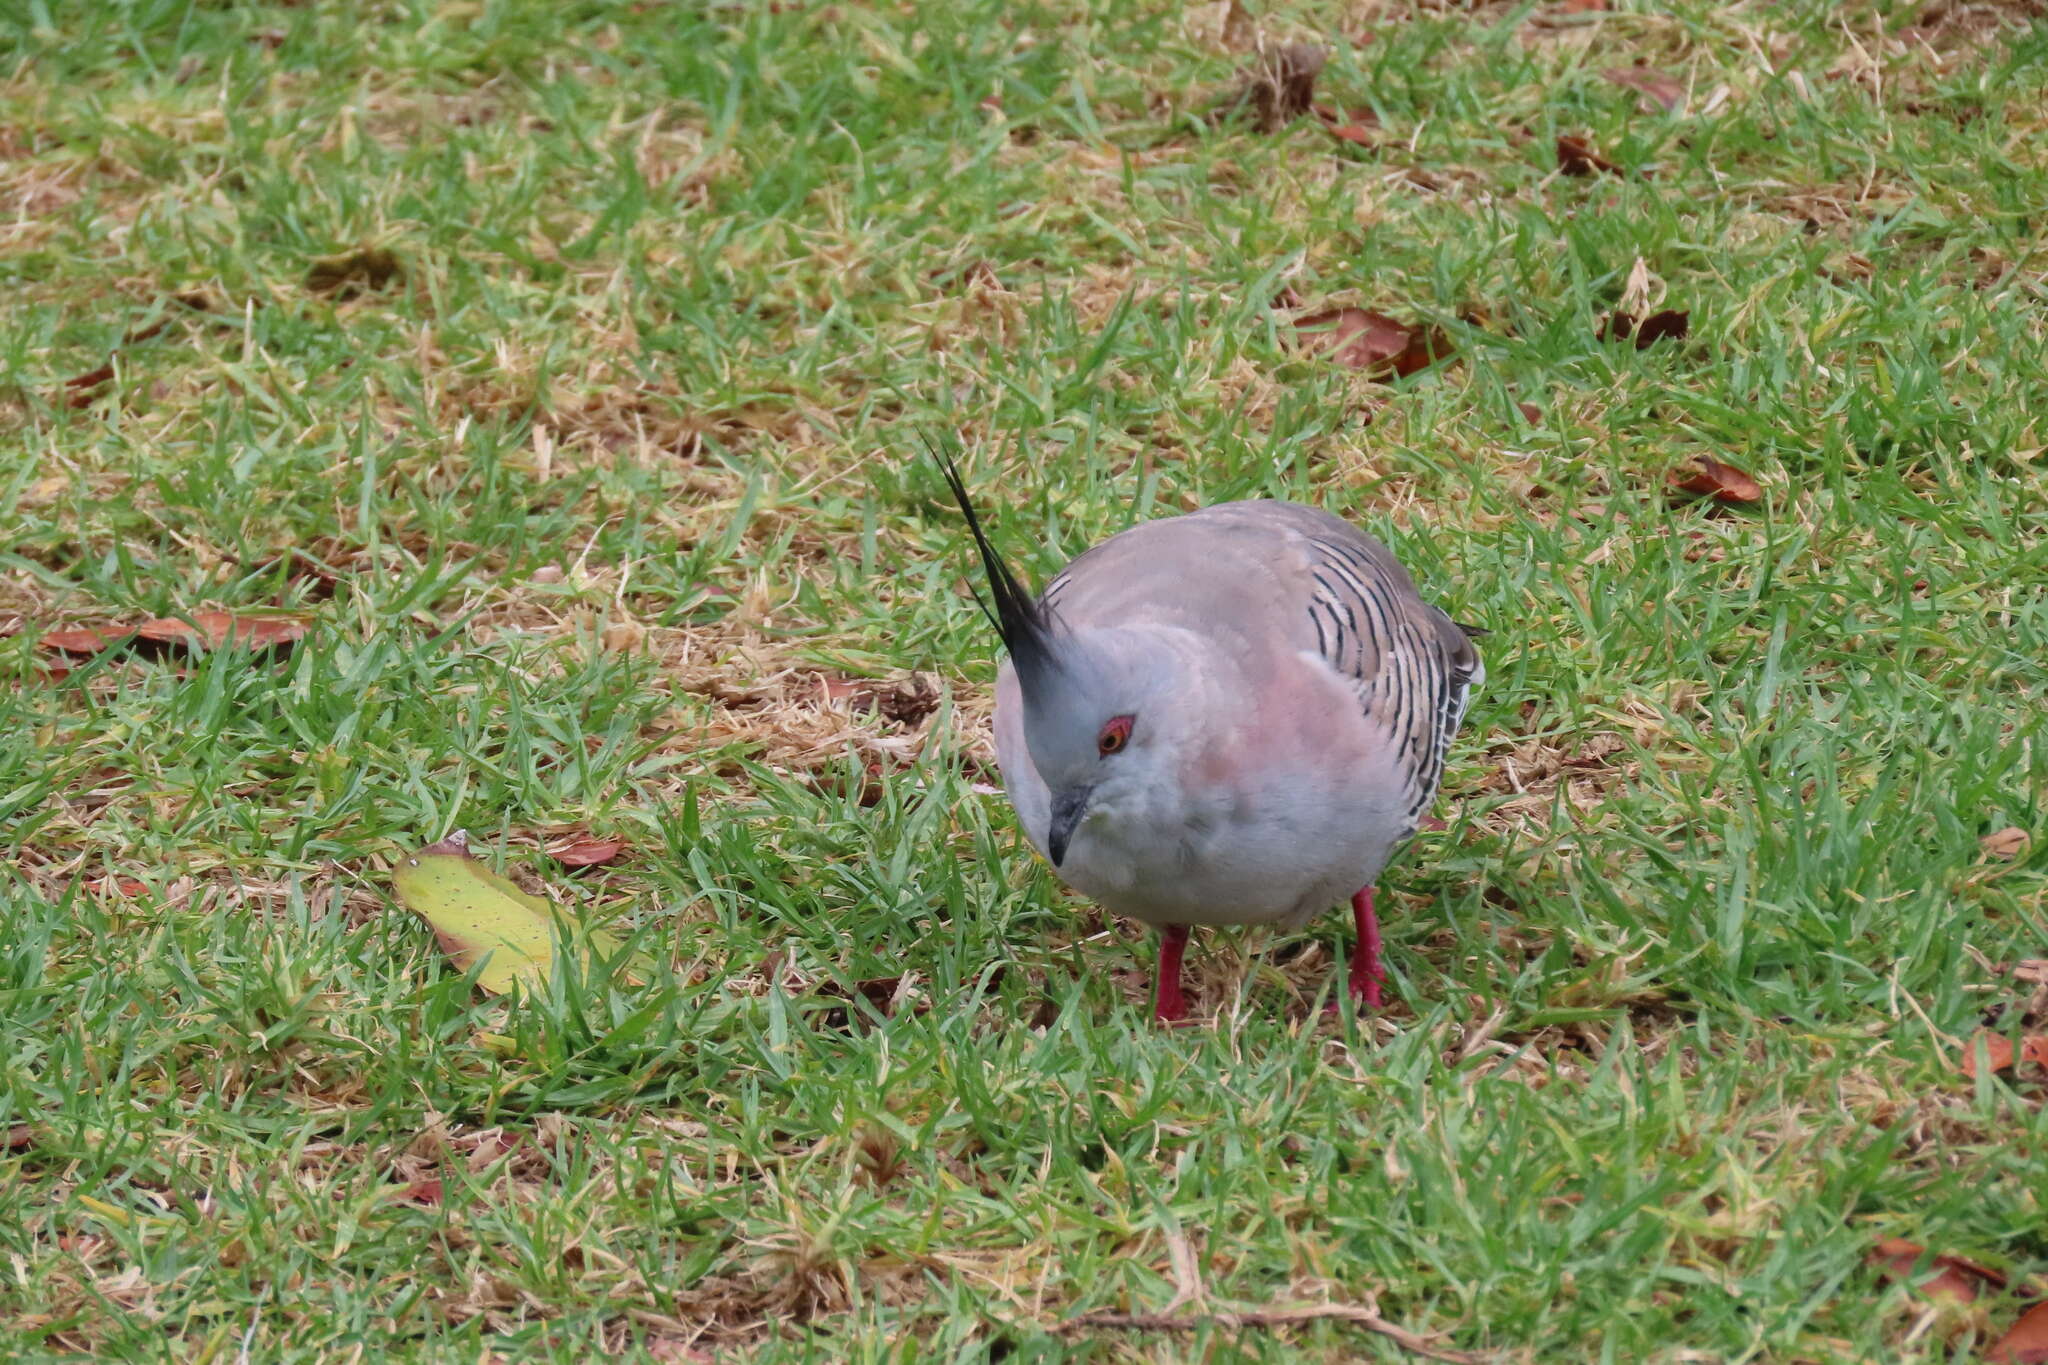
(1101, 713)
(1104, 722)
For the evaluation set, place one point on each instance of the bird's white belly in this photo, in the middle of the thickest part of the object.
(1281, 861)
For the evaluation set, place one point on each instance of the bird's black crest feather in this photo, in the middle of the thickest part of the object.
(1020, 618)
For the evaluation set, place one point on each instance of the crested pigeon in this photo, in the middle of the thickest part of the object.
(1228, 717)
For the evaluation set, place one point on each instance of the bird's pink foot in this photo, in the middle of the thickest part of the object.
(1366, 971)
(1169, 1006)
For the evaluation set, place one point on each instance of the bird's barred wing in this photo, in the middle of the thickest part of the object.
(1412, 667)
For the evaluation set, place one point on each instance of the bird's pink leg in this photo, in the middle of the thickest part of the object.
(1169, 1006)
(1366, 972)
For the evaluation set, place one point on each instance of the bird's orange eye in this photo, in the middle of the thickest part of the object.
(1114, 736)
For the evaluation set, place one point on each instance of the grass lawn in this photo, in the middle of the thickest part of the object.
(567, 366)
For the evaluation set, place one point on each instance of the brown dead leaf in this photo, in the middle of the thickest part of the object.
(84, 639)
(2032, 969)
(906, 700)
(1359, 126)
(1277, 88)
(587, 852)
(19, 1138)
(1999, 1054)
(425, 1193)
(215, 629)
(833, 688)
(1954, 1277)
(1530, 412)
(2026, 1343)
(1575, 156)
(1373, 342)
(886, 993)
(1672, 323)
(120, 886)
(344, 277)
(1666, 90)
(86, 387)
(1707, 477)
(1581, 6)
(778, 969)
(198, 300)
(2006, 843)
(322, 565)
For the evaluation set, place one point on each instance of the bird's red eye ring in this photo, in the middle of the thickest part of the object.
(1115, 735)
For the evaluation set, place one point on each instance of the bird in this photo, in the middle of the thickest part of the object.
(1231, 716)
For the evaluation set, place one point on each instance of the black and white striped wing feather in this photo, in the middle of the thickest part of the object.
(1412, 667)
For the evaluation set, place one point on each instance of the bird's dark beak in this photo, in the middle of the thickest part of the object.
(1067, 809)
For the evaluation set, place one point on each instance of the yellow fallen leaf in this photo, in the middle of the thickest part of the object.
(114, 1213)
(479, 916)
(107, 1211)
